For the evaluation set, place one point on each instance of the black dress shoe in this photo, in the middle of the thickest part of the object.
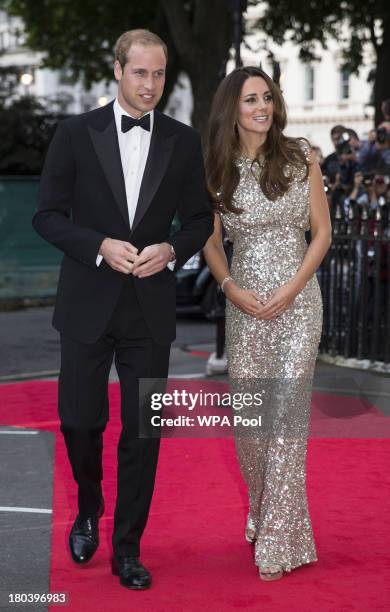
(84, 537)
(132, 574)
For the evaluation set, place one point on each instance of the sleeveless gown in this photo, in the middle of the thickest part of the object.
(276, 360)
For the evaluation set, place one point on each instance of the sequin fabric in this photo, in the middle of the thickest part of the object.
(275, 358)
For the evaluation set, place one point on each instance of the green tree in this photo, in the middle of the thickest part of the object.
(26, 128)
(306, 23)
(80, 35)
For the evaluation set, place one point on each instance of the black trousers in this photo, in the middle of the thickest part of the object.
(84, 411)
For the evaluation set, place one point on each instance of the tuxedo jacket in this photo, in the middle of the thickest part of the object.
(82, 200)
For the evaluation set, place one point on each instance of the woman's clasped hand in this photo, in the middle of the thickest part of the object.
(253, 304)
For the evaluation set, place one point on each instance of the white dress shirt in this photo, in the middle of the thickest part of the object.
(134, 149)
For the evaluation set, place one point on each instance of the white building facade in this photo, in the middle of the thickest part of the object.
(318, 95)
(52, 86)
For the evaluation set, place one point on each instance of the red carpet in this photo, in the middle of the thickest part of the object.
(194, 542)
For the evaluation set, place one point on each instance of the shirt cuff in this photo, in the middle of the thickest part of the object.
(171, 265)
(99, 259)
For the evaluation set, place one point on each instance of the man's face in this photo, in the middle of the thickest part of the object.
(141, 81)
(336, 137)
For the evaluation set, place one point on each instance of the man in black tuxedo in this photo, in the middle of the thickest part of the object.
(112, 182)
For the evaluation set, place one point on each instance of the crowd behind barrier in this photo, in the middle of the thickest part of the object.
(354, 276)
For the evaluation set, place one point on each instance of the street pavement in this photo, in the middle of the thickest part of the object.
(29, 349)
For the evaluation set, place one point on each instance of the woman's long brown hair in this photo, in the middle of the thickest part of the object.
(223, 146)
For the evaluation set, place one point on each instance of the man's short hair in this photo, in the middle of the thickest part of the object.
(337, 128)
(139, 37)
(353, 133)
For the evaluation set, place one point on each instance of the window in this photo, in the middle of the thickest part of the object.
(309, 83)
(65, 76)
(5, 40)
(344, 83)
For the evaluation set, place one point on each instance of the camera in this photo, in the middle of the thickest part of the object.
(381, 135)
(375, 179)
(368, 180)
(343, 146)
(382, 179)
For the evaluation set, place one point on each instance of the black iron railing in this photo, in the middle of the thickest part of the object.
(354, 280)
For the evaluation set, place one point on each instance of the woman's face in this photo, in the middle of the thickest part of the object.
(256, 107)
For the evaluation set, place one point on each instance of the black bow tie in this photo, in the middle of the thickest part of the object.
(129, 122)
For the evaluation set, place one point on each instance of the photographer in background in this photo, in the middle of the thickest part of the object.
(340, 166)
(330, 165)
(385, 108)
(371, 190)
(375, 151)
(354, 140)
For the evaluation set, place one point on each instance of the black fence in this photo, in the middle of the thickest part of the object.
(354, 280)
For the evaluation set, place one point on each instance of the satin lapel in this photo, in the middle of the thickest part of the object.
(107, 149)
(160, 151)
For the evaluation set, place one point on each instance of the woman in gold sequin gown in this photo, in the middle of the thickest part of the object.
(268, 191)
